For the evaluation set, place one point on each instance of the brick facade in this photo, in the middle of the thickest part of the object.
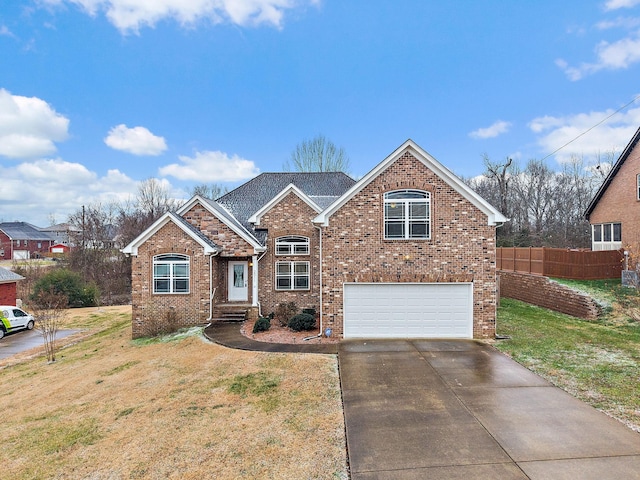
(349, 248)
(542, 291)
(154, 313)
(461, 248)
(8, 293)
(290, 216)
(619, 202)
(36, 248)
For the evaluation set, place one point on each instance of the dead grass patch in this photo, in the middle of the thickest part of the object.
(113, 408)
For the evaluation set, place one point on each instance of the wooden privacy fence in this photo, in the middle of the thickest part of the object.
(560, 263)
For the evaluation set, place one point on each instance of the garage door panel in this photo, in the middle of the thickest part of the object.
(408, 310)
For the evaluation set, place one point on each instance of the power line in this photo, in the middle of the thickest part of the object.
(591, 128)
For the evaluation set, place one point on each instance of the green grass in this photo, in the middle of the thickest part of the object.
(597, 361)
(606, 292)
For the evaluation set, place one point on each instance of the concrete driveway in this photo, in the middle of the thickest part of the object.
(418, 409)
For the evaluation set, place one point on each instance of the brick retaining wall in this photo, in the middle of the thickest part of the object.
(546, 293)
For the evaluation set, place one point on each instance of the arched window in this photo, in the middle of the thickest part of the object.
(171, 273)
(407, 214)
(292, 245)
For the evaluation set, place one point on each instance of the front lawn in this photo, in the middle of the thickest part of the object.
(596, 361)
(180, 407)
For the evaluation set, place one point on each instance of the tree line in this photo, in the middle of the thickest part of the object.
(545, 207)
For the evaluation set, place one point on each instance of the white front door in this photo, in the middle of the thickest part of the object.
(238, 282)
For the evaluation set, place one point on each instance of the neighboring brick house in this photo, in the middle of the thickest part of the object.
(614, 212)
(9, 286)
(21, 241)
(406, 251)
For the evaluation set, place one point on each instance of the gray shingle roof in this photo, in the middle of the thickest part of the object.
(322, 187)
(7, 276)
(24, 231)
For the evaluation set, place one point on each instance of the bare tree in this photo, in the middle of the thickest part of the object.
(501, 176)
(154, 199)
(545, 207)
(318, 155)
(209, 190)
(49, 309)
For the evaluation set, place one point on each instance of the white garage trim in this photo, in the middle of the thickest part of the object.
(408, 310)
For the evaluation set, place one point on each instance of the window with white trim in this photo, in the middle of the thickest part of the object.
(171, 273)
(292, 245)
(407, 215)
(638, 186)
(292, 276)
(606, 236)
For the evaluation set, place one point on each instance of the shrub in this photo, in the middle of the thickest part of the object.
(262, 325)
(67, 283)
(285, 311)
(302, 321)
(310, 311)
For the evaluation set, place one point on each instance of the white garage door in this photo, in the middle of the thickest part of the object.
(21, 254)
(408, 310)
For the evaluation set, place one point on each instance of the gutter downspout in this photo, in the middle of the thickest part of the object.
(255, 281)
(319, 227)
(212, 292)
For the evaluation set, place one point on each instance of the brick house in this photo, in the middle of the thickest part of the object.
(21, 241)
(614, 212)
(406, 251)
(8, 286)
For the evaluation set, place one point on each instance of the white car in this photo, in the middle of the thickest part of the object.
(14, 318)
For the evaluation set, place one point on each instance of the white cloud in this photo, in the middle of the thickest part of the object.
(211, 167)
(31, 191)
(29, 127)
(616, 4)
(4, 31)
(136, 140)
(620, 22)
(610, 56)
(498, 128)
(131, 15)
(612, 135)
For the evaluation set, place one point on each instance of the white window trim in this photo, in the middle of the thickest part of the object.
(603, 244)
(289, 242)
(638, 186)
(158, 260)
(292, 276)
(406, 202)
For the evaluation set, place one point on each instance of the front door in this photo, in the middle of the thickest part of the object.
(238, 282)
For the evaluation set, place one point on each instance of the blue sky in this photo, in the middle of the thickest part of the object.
(98, 95)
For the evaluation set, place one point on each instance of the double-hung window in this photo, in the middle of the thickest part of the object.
(171, 273)
(407, 214)
(292, 245)
(292, 275)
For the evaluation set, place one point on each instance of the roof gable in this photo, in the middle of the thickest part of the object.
(612, 173)
(291, 188)
(322, 188)
(225, 216)
(494, 217)
(209, 247)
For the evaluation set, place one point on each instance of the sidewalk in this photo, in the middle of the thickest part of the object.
(228, 334)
